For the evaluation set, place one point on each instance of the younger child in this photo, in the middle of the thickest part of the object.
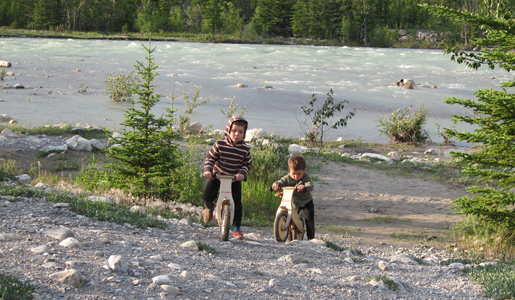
(303, 199)
(228, 156)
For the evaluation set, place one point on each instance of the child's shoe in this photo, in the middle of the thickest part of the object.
(238, 235)
(208, 215)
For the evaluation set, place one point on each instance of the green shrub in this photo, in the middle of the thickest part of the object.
(2, 73)
(13, 289)
(498, 280)
(119, 86)
(392, 285)
(405, 125)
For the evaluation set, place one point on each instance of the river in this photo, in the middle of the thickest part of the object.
(52, 70)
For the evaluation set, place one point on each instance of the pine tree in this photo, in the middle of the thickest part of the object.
(147, 154)
(494, 118)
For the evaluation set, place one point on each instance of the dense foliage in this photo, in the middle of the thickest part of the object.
(494, 118)
(405, 125)
(355, 22)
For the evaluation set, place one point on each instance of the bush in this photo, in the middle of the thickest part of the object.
(119, 86)
(405, 126)
(11, 288)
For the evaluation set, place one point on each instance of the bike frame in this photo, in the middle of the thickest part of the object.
(225, 197)
(288, 207)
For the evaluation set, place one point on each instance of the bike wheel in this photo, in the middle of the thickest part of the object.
(297, 234)
(280, 234)
(226, 220)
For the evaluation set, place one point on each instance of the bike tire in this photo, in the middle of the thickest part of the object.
(226, 219)
(280, 234)
(297, 234)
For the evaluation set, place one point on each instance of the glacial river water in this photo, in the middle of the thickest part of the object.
(52, 70)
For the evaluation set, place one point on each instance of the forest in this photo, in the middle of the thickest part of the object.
(350, 22)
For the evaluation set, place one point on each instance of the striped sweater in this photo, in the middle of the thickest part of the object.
(227, 158)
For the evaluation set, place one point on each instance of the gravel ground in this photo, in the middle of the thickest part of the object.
(111, 261)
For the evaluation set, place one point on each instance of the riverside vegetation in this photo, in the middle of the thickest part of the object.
(379, 23)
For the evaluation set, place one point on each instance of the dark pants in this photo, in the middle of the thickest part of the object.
(309, 216)
(211, 194)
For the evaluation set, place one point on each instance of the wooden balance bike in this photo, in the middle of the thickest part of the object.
(224, 211)
(288, 224)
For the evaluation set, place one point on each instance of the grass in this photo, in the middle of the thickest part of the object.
(420, 236)
(498, 280)
(95, 210)
(60, 129)
(336, 247)
(386, 219)
(206, 248)
(392, 285)
(11, 288)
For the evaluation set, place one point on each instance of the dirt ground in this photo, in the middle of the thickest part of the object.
(352, 203)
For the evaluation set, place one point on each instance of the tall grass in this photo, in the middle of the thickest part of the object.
(270, 163)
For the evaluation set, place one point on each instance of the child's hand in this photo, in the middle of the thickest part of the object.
(300, 187)
(207, 175)
(275, 187)
(240, 177)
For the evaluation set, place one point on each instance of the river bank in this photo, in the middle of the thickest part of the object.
(423, 39)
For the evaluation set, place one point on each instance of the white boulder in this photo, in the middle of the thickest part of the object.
(254, 133)
(294, 148)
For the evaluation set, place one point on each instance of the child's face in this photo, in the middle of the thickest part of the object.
(296, 174)
(237, 133)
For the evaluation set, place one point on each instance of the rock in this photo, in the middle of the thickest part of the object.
(405, 259)
(394, 155)
(293, 259)
(100, 199)
(137, 208)
(40, 249)
(195, 128)
(96, 144)
(7, 133)
(70, 277)
(267, 87)
(3, 139)
(161, 279)
(70, 243)
(63, 147)
(12, 122)
(294, 148)
(378, 156)
(5, 64)
(431, 151)
(5, 118)
(254, 133)
(23, 178)
(192, 245)
(174, 266)
(78, 143)
(18, 86)
(171, 289)
(383, 265)
(241, 85)
(118, 264)
(60, 234)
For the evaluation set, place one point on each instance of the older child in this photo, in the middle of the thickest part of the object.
(228, 156)
(302, 195)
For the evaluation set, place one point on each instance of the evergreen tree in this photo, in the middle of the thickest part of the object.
(147, 155)
(213, 10)
(47, 13)
(494, 118)
(273, 17)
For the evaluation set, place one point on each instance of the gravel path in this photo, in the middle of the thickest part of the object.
(103, 260)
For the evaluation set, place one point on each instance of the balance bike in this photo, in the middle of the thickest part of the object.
(288, 224)
(224, 211)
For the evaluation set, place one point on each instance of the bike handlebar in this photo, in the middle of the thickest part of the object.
(214, 175)
(305, 189)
